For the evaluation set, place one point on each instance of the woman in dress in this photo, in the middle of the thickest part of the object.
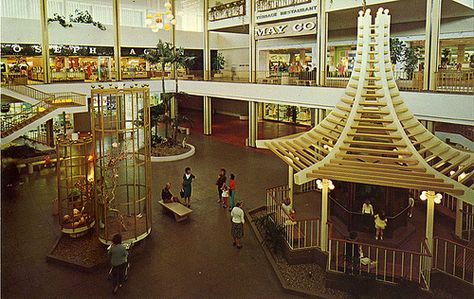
(238, 221)
(380, 225)
(188, 178)
(232, 191)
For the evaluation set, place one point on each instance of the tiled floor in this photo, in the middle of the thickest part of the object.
(183, 260)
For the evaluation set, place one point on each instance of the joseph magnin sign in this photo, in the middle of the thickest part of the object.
(300, 27)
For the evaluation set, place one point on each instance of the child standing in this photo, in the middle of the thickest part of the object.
(380, 225)
(225, 195)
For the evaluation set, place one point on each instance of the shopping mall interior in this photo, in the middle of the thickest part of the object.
(237, 148)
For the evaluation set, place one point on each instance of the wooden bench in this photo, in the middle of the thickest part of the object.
(179, 211)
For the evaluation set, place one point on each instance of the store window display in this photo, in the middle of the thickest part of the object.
(290, 114)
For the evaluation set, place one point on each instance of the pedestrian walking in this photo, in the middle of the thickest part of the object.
(188, 178)
(118, 258)
(238, 221)
(221, 179)
(232, 185)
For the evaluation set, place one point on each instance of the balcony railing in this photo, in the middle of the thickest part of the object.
(454, 259)
(227, 10)
(264, 5)
(455, 81)
(390, 265)
(299, 233)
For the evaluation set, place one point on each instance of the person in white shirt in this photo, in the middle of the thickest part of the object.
(368, 213)
(238, 221)
(411, 204)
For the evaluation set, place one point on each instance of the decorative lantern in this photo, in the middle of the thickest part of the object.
(75, 174)
(120, 120)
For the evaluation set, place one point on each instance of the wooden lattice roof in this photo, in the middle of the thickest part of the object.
(371, 136)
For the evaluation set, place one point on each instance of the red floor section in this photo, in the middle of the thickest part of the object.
(232, 130)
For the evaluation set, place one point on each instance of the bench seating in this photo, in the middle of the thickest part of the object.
(179, 211)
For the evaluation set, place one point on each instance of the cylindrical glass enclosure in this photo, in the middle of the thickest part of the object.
(75, 174)
(120, 120)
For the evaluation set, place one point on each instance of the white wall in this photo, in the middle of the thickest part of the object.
(450, 108)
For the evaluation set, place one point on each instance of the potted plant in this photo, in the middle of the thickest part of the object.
(396, 50)
(217, 65)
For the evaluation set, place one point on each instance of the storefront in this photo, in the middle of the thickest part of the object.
(21, 62)
(285, 113)
(340, 61)
(286, 51)
(81, 63)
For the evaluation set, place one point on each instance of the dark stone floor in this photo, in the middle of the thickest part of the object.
(194, 259)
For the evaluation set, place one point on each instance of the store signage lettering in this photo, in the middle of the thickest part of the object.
(286, 12)
(292, 28)
(66, 50)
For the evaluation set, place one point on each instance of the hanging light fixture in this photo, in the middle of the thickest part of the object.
(158, 20)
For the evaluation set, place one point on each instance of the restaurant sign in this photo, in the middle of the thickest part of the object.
(291, 11)
(55, 50)
(300, 27)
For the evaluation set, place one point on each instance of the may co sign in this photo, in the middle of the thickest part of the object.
(286, 29)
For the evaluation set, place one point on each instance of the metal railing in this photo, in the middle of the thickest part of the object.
(11, 122)
(299, 233)
(264, 5)
(454, 259)
(28, 91)
(309, 186)
(467, 230)
(455, 81)
(227, 10)
(381, 263)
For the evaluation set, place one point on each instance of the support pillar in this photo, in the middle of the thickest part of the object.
(290, 185)
(433, 20)
(49, 132)
(324, 214)
(321, 41)
(458, 228)
(207, 50)
(253, 124)
(45, 40)
(207, 109)
(430, 197)
(173, 42)
(252, 44)
(116, 23)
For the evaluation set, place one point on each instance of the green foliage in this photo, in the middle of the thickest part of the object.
(273, 233)
(396, 50)
(83, 17)
(411, 57)
(218, 62)
(445, 56)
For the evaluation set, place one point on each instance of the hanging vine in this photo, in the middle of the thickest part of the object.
(83, 17)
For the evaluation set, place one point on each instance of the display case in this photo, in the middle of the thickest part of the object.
(120, 122)
(75, 175)
(286, 113)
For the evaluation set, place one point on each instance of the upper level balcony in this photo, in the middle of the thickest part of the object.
(230, 14)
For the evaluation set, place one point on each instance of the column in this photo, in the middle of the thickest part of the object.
(253, 124)
(174, 70)
(291, 179)
(206, 47)
(433, 20)
(430, 197)
(207, 109)
(49, 132)
(116, 23)
(321, 42)
(461, 53)
(252, 44)
(45, 40)
(458, 228)
(324, 214)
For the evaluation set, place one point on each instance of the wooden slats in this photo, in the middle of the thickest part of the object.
(374, 135)
(375, 151)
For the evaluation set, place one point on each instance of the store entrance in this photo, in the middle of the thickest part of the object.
(82, 68)
(287, 66)
(22, 69)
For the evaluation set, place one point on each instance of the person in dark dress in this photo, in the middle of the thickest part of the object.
(221, 180)
(188, 178)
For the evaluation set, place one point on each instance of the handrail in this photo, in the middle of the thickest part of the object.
(29, 91)
(368, 244)
(357, 213)
(454, 242)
